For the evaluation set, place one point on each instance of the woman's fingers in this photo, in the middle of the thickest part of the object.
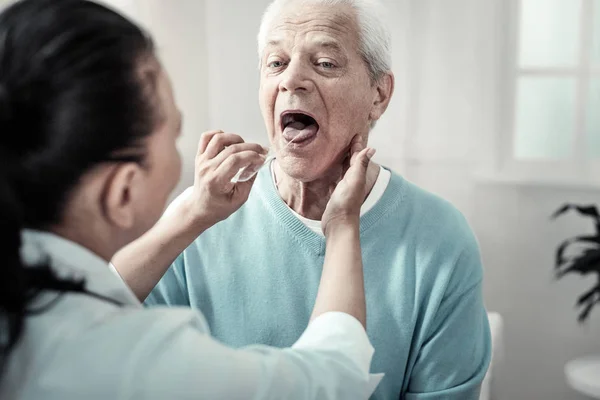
(356, 147)
(359, 164)
(219, 142)
(238, 148)
(249, 159)
(205, 138)
(222, 155)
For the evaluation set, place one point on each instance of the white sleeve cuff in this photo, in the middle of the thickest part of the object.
(113, 269)
(341, 332)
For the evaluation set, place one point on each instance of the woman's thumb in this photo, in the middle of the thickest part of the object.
(360, 164)
(364, 158)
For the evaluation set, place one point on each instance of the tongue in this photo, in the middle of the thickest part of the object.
(297, 125)
(297, 131)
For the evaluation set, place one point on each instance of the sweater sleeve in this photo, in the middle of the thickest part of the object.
(171, 290)
(453, 359)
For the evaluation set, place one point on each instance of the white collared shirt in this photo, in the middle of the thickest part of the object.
(86, 348)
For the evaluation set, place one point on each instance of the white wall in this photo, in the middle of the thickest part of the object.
(232, 63)
(436, 132)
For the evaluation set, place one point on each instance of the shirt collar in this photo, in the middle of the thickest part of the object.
(71, 260)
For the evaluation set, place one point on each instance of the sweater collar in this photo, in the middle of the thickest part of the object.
(314, 242)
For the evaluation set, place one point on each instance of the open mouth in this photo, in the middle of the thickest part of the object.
(298, 126)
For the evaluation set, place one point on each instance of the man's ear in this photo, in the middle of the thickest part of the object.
(120, 195)
(384, 91)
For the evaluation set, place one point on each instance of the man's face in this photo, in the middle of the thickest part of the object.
(315, 89)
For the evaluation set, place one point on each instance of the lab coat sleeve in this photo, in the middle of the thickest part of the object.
(330, 361)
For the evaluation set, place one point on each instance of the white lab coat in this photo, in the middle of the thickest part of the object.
(86, 348)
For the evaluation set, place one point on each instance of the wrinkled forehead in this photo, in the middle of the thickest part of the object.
(334, 27)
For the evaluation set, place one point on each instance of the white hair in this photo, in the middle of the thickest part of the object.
(374, 36)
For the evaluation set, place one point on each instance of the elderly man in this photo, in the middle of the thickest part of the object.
(325, 78)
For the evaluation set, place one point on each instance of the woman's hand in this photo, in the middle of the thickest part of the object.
(219, 158)
(342, 286)
(349, 195)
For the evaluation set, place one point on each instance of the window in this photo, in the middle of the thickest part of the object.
(554, 95)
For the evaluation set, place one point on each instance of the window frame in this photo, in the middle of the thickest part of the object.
(576, 169)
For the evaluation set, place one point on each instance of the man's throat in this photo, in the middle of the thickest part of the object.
(310, 199)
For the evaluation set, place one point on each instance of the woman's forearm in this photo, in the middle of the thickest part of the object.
(342, 282)
(143, 262)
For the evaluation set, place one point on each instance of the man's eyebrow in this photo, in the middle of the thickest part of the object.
(320, 43)
(328, 44)
(273, 43)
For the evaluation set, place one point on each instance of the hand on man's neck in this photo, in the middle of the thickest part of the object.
(310, 199)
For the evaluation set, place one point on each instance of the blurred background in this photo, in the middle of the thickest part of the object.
(497, 109)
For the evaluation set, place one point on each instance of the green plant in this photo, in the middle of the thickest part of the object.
(586, 263)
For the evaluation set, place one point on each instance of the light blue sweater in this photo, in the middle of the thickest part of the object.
(255, 277)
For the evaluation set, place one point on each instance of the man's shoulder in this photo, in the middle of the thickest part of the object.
(440, 234)
(429, 211)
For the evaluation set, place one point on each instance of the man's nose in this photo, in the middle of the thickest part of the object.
(296, 78)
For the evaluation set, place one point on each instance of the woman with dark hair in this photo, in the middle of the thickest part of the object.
(88, 129)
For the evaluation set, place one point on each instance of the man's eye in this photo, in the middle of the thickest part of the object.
(327, 64)
(275, 64)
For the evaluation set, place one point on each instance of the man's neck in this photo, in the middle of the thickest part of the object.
(310, 199)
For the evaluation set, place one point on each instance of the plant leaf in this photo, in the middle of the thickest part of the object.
(587, 263)
(587, 211)
(560, 259)
(586, 312)
(588, 296)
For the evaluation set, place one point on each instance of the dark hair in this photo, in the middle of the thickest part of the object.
(73, 93)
